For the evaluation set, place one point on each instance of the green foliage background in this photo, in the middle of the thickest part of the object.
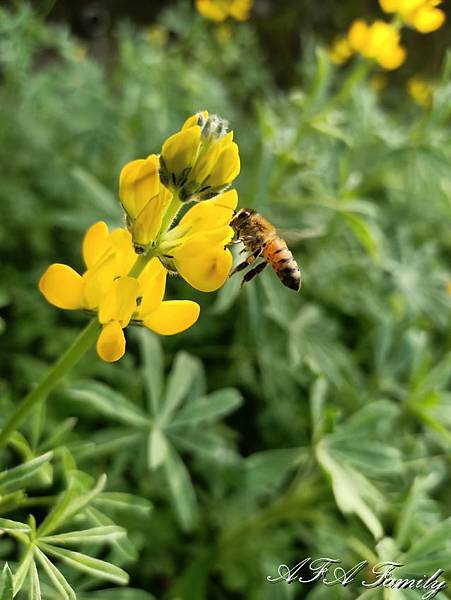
(281, 426)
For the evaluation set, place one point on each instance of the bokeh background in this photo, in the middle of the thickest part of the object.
(332, 429)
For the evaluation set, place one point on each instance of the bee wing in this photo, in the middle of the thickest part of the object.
(295, 236)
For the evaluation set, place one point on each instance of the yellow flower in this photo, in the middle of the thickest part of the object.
(340, 52)
(219, 10)
(197, 247)
(378, 41)
(201, 160)
(420, 91)
(423, 15)
(107, 288)
(144, 199)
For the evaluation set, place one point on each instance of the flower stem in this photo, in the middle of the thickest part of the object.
(170, 214)
(64, 364)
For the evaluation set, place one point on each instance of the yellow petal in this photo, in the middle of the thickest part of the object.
(173, 317)
(206, 272)
(358, 35)
(205, 164)
(111, 342)
(210, 10)
(240, 9)
(392, 58)
(62, 287)
(119, 303)
(428, 19)
(210, 214)
(152, 282)
(389, 6)
(226, 168)
(202, 242)
(194, 119)
(95, 243)
(180, 150)
(124, 253)
(148, 222)
(98, 279)
(139, 181)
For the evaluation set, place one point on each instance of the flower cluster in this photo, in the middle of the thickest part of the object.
(220, 10)
(380, 41)
(126, 269)
(422, 15)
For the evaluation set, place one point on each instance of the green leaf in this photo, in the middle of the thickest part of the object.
(156, 448)
(182, 376)
(12, 526)
(152, 369)
(318, 394)
(433, 541)
(209, 409)
(265, 471)
(96, 535)
(35, 588)
(181, 488)
(125, 548)
(15, 478)
(69, 504)
(125, 502)
(6, 584)
(21, 573)
(57, 579)
(114, 594)
(351, 489)
(109, 402)
(88, 564)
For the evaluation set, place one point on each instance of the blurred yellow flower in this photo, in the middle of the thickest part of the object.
(423, 15)
(108, 289)
(378, 41)
(340, 51)
(420, 91)
(201, 160)
(219, 10)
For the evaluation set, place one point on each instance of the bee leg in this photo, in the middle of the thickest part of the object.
(249, 260)
(253, 273)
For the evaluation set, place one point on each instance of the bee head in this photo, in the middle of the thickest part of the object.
(241, 217)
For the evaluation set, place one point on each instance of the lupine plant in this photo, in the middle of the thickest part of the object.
(244, 427)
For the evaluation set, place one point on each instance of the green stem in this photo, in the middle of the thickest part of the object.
(170, 214)
(64, 364)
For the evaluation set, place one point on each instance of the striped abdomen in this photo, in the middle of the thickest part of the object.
(281, 260)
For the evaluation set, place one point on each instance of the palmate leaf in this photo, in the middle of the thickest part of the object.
(209, 409)
(152, 370)
(109, 402)
(35, 587)
(179, 383)
(69, 504)
(17, 477)
(95, 535)
(351, 489)
(13, 526)
(6, 584)
(181, 489)
(82, 562)
(157, 448)
(57, 579)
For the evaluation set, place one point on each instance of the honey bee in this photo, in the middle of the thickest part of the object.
(260, 240)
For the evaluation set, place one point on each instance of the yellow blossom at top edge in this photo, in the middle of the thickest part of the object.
(219, 10)
(340, 51)
(378, 41)
(423, 15)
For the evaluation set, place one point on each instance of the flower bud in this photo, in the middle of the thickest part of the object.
(200, 161)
